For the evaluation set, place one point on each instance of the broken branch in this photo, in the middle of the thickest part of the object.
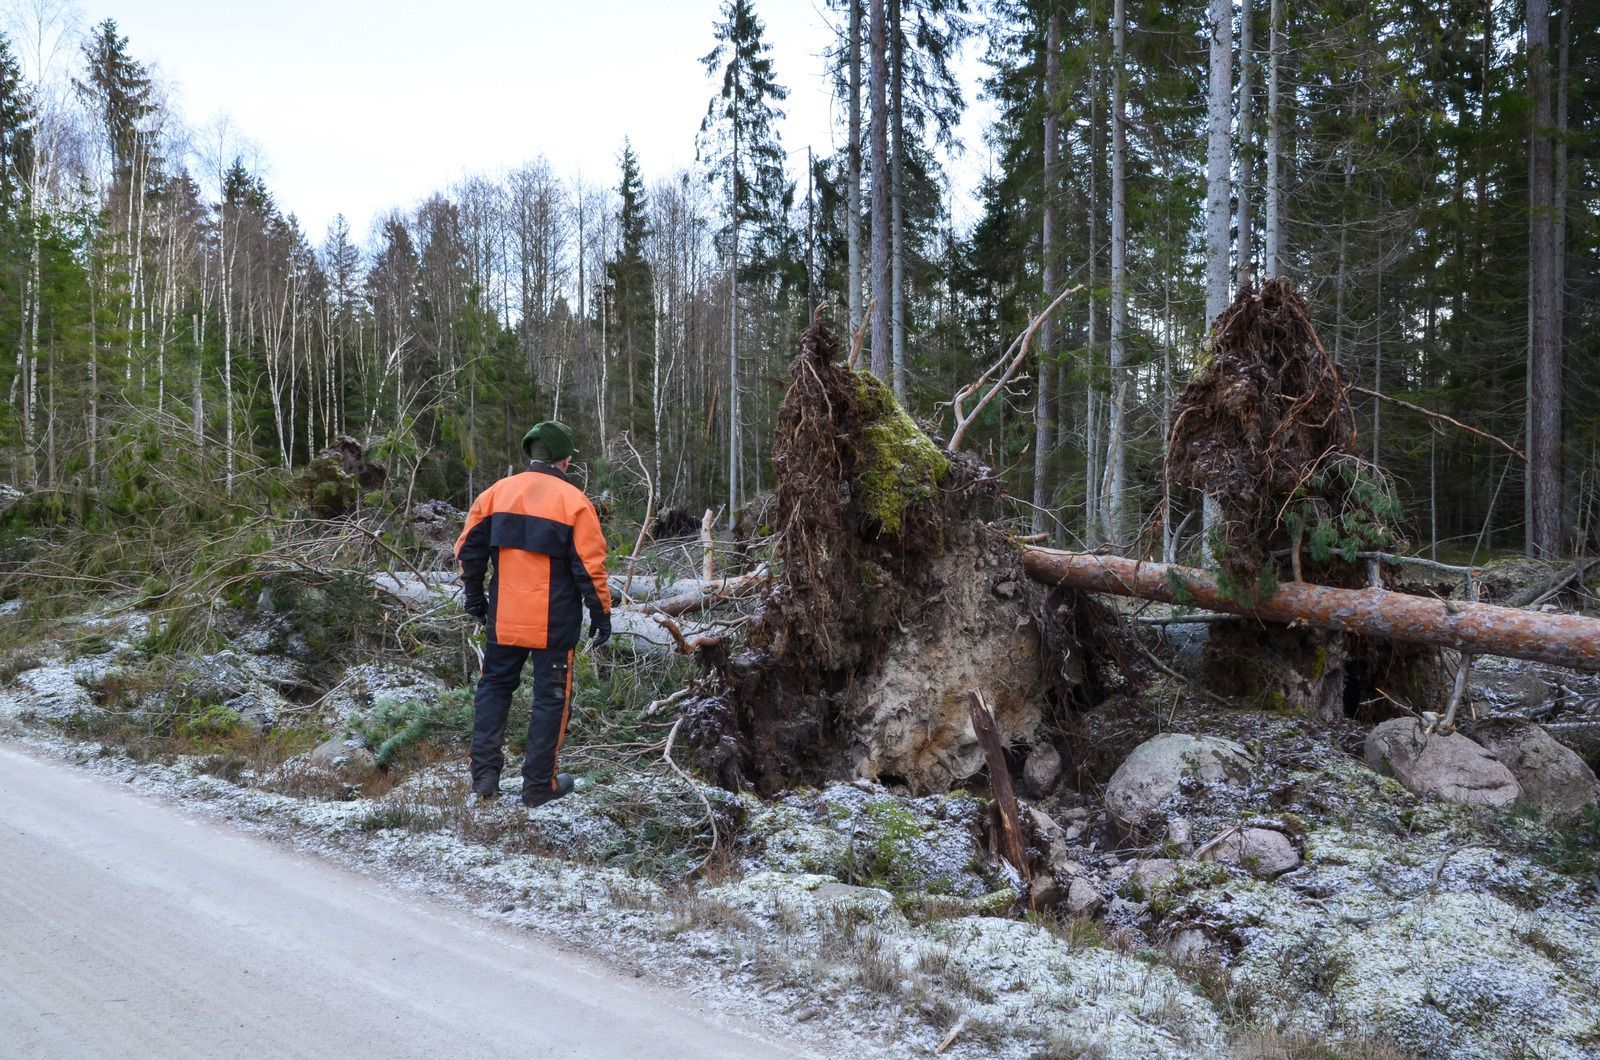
(1419, 410)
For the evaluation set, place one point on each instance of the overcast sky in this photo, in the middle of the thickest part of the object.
(358, 106)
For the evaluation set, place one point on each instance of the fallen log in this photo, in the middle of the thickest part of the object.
(702, 594)
(1480, 629)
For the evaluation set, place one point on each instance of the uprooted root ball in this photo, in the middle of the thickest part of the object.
(1266, 429)
(893, 597)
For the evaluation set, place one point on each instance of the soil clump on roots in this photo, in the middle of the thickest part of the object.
(892, 598)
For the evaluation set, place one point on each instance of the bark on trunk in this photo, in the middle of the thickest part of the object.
(1544, 353)
(853, 190)
(882, 340)
(1052, 278)
(1479, 629)
(1246, 142)
(1115, 476)
(1219, 120)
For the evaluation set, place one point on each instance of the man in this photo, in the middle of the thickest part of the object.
(549, 556)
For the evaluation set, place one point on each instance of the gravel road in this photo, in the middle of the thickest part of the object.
(130, 928)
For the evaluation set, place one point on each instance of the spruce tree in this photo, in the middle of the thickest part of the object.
(739, 144)
(630, 285)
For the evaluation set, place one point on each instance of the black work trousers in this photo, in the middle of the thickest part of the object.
(547, 725)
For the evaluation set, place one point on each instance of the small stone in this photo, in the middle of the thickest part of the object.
(1042, 770)
(1445, 766)
(1082, 896)
(1264, 852)
(1006, 590)
(1188, 946)
(1180, 834)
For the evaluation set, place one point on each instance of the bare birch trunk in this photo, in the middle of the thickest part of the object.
(1116, 478)
(1247, 145)
(1042, 435)
(882, 339)
(1219, 112)
(853, 164)
(1274, 249)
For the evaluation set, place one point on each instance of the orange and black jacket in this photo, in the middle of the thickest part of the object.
(549, 559)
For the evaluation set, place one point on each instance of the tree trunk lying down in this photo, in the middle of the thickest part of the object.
(1481, 629)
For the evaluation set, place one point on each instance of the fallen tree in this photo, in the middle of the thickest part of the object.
(1480, 629)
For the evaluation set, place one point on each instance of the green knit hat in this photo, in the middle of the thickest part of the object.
(550, 441)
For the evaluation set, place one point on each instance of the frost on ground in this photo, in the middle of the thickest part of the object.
(1272, 894)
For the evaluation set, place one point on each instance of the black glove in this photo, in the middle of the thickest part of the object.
(477, 606)
(599, 629)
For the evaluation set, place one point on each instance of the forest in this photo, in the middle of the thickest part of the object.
(1422, 173)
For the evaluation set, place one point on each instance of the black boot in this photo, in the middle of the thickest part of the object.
(486, 787)
(538, 797)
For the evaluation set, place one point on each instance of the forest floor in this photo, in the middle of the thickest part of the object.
(856, 918)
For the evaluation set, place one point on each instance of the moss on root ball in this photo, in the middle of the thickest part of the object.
(897, 467)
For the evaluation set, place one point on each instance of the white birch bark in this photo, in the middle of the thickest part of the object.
(853, 169)
(1042, 435)
(1274, 247)
(1115, 475)
(882, 340)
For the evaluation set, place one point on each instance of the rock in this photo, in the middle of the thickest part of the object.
(1042, 770)
(1188, 946)
(339, 753)
(1180, 834)
(863, 831)
(1146, 873)
(364, 684)
(1188, 640)
(1082, 896)
(1264, 852)
(1512, 692)
(1157, 767)
(1449, 767)
(1552, 775)
(52, 692)
(230, 679)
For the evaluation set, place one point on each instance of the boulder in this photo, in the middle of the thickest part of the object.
(339, 753)
(1042, 770)
(1444, 766)
(1082, 896)
(1158, 767)
(1552, 775)
(364, 684)
(1512, 691)
(1264, 852)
